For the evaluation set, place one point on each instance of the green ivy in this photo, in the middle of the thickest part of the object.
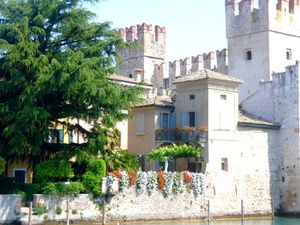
(175, 151)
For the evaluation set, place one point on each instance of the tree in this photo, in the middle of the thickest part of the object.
(164, 153)
(54, 66)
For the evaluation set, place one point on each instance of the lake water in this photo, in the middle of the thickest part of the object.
(277, 221)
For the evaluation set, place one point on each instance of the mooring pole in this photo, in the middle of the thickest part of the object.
(242, 210)
(208, 212)
(103, 210)
(67, 211)
(30, 213)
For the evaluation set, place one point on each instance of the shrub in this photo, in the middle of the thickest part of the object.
(39, 209)
(93, 176)
(53, 170)
(58, 210)
(70, 188)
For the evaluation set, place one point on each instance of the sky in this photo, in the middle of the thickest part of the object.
(193, 26)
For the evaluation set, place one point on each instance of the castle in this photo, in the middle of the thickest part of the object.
(240, 105)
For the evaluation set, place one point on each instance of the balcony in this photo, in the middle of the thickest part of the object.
(181, 134)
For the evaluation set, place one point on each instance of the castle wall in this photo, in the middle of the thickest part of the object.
(269, 30)
(147, 49)
(223, 195)
(280, 100)
(251, 71)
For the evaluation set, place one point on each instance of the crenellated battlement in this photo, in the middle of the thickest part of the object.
(148, 47)
(216, 61)
(143, 34)
(250, 16)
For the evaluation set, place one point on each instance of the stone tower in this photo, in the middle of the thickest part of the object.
(263, 37)
(147, 50)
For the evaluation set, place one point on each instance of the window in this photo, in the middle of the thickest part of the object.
(224, 164)
(192, 119)
(223, 97)
(192, 97)
(141, 123)
(188, 119)
(248, 55)
(288, 54)
(164, 120)
(166, 83)
(20, 175)
(56, 136)
(71, 137)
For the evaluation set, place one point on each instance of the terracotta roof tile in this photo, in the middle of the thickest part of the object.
(207, 74)
(246, 119)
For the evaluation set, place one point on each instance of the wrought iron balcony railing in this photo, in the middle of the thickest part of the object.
(181, 134)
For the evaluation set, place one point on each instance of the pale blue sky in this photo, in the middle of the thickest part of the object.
(192, 26)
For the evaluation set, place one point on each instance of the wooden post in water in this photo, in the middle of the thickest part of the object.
(30, 213)
(67, 211)
(208, 212)
(242, 210)
(103, 210)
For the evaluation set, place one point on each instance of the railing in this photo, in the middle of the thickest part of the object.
(181, 134)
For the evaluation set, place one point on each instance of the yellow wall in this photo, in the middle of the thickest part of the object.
(141, 143)
(21, 164)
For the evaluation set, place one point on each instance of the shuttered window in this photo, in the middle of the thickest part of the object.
(141, 123)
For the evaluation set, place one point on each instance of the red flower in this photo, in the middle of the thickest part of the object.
(117, 174)
(132, 177)
(161, 180)
(187, 177)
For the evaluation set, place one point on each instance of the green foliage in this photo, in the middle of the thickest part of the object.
(69, 188)
(54, 64)
(19, 192)
(53, 170)
(174, 151)
(121, 160)
(2, 165)
(93, 176)
(39, 210)
(58, 210)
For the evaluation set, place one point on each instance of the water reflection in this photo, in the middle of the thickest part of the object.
(277, 221)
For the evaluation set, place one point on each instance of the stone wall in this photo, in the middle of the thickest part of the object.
(9, 208)
(223, 196)
(81, 207)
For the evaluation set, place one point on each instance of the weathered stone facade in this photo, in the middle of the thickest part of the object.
(263, 46)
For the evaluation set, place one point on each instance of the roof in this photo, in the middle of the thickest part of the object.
(207, 74)
(248, 120)
(126, 79)
(163, 101)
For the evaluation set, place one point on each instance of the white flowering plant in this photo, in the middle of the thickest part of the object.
(151, 182)
(141, 182)
(124, 181)
(177, 183)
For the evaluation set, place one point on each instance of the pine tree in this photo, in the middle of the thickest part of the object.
(54, 64)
